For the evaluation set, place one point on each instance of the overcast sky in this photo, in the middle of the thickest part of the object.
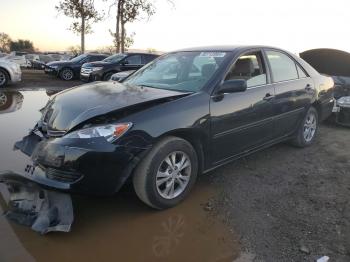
(295, 25)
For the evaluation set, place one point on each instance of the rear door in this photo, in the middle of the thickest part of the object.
(294, 91)
(244, 120)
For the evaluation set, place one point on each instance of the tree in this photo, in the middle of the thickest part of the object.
(75, 50)
(22, 45)
(5, 42)
(84, 14)
(127, 11)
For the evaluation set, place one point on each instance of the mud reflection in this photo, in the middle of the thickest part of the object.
(123, 228)
(10, 101)
(119, 228)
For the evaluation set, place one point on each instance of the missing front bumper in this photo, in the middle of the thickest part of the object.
(30, 205)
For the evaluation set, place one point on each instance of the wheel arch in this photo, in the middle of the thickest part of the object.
(197, 139)
(65, 67)
(113, 71)
(7, 72)
(318, 106)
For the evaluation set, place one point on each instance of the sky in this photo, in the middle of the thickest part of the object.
(295, 25)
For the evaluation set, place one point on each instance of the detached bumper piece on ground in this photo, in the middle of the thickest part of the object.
(30, 205)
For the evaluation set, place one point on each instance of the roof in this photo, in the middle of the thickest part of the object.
(224, 48)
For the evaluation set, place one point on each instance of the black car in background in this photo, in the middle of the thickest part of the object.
(68, 70)
(103, 70)
(181, 115)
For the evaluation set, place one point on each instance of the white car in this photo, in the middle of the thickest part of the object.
(18, 59)
(10, 72)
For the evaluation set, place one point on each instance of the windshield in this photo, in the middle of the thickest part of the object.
(78, 58)
(182, 71)
(114, 58)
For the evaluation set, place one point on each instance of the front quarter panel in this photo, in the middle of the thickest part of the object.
(186, 114)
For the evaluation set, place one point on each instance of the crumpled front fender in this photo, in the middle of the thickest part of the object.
(30, 205)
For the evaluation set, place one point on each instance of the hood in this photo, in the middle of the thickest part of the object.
(76, 105)
(59, 63)
(96, 64)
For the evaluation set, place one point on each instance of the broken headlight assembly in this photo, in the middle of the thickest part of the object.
(344, 101)
(110, 132)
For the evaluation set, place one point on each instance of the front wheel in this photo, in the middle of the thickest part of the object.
(167, 174)
(307, 129)
(107, 76)
(67, 74)
(4, 78)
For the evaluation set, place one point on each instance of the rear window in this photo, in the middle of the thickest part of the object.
(282, 66)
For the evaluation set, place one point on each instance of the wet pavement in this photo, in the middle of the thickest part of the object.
(118, 228)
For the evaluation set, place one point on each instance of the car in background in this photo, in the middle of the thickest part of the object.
(68, 70)
(18, 59)
(10, 72)
(334, 63)
(103, 70)
(184, 114)
(121, 75)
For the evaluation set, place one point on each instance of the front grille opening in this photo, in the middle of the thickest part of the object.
(62, 176)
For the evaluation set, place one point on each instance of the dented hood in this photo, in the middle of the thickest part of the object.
(74, 106)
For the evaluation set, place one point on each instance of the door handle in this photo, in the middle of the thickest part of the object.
(268, 96)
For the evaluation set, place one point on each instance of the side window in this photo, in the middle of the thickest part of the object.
(147, 59)
(301, 72)
(93, 58)
(249, 67)
(282, 66)
(133, 60)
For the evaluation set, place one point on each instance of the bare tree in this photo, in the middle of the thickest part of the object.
(84, 14)
(5, 42)
(127, 11)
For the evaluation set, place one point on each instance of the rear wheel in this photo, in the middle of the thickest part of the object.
(4, 78)
(66, 74)
(307, 129)
(167, 174)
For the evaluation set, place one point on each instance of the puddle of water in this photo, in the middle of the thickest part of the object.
(115, 228)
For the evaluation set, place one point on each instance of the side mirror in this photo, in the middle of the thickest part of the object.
(125, 62)
(233, 86)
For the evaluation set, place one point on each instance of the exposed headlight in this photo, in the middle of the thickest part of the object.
(54, 66)
(97, 68)
(109, 132)
(344, 101)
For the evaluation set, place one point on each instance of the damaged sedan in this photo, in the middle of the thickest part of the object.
(182, 115)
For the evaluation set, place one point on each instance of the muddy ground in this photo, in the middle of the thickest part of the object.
(281, 204)
(290, 204)
(38, 79)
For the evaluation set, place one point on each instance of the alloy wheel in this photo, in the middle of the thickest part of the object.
(310, 126)
(2, 78)
(173, 175)
(67, 74)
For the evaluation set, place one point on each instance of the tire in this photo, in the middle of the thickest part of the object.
(4, 78)
(304, 137)
(66, 74)
(146, 174)
(108, 76)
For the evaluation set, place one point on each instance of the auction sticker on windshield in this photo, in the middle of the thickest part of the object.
(212, 54)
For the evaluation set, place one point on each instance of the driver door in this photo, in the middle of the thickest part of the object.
(243, 121)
